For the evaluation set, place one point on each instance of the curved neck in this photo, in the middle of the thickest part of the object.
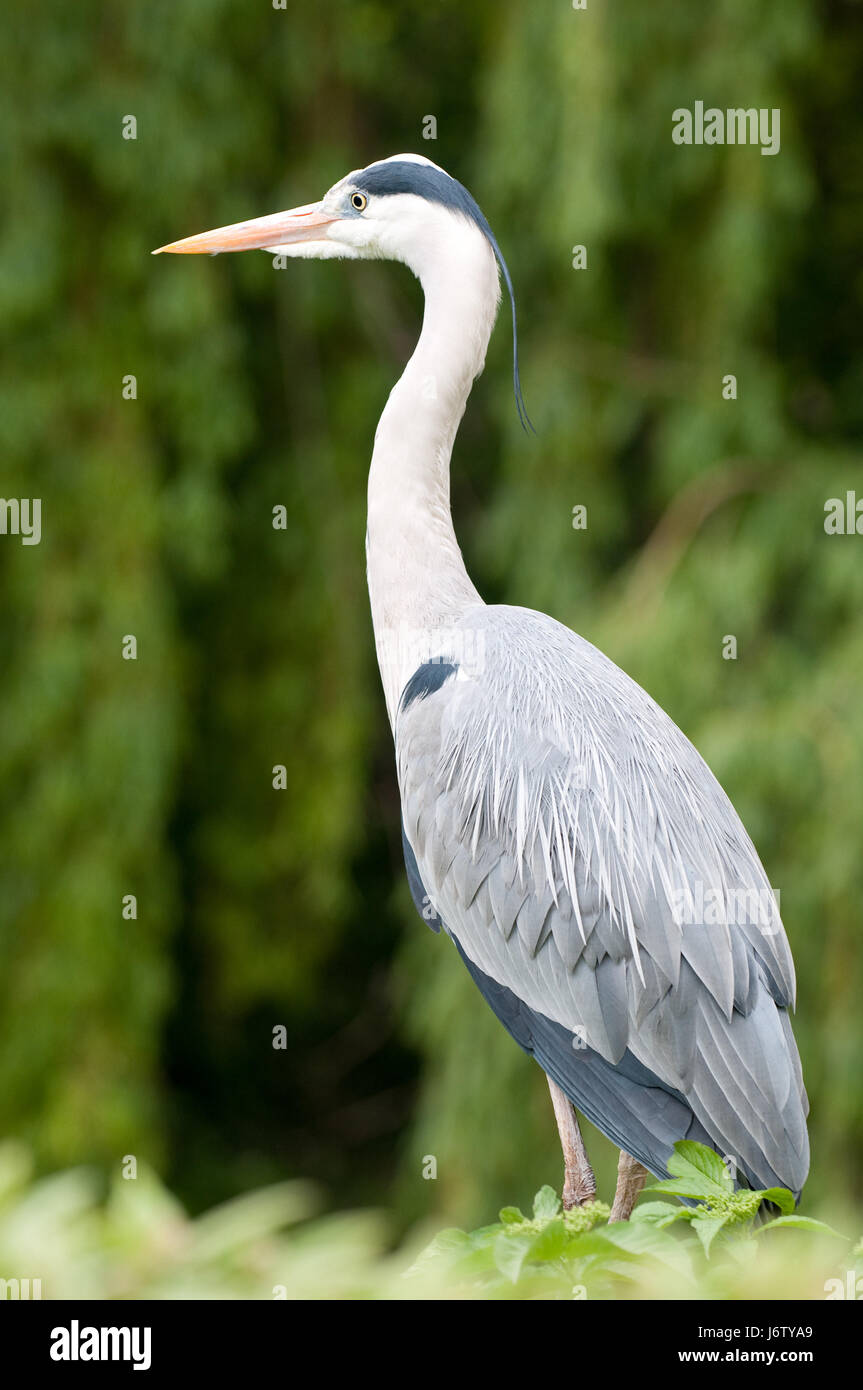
(418, 584)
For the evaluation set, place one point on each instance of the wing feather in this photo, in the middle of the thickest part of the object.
(584, 858)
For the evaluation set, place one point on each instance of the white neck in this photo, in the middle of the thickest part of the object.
(418, 584)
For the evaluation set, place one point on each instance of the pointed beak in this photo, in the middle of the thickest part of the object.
(307, 223)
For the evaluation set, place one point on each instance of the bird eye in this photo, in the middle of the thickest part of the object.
(359, 201)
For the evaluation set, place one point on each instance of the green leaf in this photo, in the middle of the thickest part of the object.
(550, 1243)
(510, 1253)
(697, 1164)
(445, 1246)
(781, 1197)
(661, 1214)
(511, 1216)
(685, 1187)
(546, 1204)
(634, 1241)
(803, 1223)
(475, 1265)
(484, 1235)
(591, 1243)
(707, 1228)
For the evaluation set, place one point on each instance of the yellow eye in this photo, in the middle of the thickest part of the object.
(359, 201)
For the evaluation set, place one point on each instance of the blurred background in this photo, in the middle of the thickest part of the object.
(259, 908)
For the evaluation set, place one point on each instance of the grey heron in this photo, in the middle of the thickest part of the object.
(557, 825)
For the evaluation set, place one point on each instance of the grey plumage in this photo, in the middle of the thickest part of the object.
(568, 836)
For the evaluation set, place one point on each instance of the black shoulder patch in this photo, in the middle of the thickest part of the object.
(425, 680)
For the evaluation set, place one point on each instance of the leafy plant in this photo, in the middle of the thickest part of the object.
(698, 1173)
(556, 1253)
(82, 1238)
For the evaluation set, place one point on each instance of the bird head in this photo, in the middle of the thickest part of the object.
(405, 208)
(388, 211)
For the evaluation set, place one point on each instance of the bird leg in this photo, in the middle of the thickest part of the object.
(631, 1177)
(579, 1184)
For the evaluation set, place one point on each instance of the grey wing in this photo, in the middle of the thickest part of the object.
(603, 894)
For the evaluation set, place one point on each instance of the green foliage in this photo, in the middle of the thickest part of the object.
(130, 1238)
(699, 1173)
(135, 1240)
(577, 1254)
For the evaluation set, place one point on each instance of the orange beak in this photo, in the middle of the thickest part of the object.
(280, 229)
